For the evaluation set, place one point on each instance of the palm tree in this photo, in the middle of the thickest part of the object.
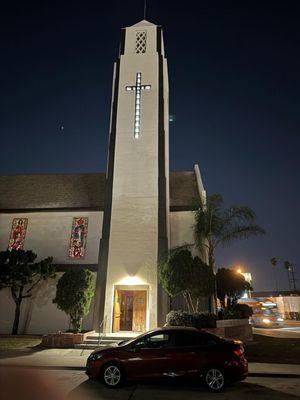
(273, 262)
(216, 225)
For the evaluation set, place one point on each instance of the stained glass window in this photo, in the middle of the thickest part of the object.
(78, 237)
(17, 233)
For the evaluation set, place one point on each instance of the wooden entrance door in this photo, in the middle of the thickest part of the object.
(130, 310)
(139, 311)
(126, 308)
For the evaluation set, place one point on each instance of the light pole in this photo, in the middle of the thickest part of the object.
(291, 275)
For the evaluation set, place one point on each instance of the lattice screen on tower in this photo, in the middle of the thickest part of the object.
(140, 42)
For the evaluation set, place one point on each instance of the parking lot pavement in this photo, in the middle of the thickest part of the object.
(76, 386)
(292, 332)
(283, 385)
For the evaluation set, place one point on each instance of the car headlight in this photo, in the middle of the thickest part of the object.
(280, 319)
(266, 321)
(94, 356)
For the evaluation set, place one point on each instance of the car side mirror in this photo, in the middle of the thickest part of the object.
(138, 346)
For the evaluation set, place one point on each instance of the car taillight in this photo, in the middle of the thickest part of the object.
(239, 352)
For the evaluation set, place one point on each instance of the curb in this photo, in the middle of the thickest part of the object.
(272, 375)
(68, 368)
(43, 367)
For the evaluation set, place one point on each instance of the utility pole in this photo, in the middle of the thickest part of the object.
(293, 279)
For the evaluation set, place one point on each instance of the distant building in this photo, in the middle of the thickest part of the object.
(288, 302)
(248, 278)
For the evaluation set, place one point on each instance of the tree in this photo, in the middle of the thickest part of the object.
(216, 225)
(74, 293)
(181, 273)
(21, 274)
(230, 285)
(274, 262)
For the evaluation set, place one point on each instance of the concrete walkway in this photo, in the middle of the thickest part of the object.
(75, 359)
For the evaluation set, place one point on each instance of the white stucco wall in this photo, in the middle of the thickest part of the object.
(181, 226)
(7, 310)
(49, 233)
(38, 314)
(287, 304)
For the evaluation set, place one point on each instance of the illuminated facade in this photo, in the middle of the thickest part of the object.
(117, 224)
(137, 194)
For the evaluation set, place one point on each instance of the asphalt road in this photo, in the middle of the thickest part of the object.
(74, 385)
(288, 332)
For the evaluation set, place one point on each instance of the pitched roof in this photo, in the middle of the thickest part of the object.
(183, 190)
(80, 191)
(144, 22)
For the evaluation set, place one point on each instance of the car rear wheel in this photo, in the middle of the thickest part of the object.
(112, 375)
(214, 379)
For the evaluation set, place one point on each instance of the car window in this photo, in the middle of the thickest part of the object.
(207, 340)
(183, 339)
(155, 341)
(267, 312)
(188, 339)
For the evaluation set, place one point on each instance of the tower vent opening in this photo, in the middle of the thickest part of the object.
(140, 42)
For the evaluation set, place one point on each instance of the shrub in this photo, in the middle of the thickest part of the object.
(238, 311)
(181, 273)
(74, 293)
(196, 320)
(230, 285)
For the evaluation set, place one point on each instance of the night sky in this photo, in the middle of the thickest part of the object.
(234, 69)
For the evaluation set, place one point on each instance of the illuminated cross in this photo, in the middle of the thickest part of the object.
(137, 110)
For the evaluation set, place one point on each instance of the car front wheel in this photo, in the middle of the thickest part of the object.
(214, 379)
(112, 375)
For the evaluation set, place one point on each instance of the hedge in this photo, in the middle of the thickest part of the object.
(238, 311)
(196, 320)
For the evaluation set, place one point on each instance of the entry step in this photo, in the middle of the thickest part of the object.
(94, 341)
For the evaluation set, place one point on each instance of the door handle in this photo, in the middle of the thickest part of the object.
(162, 355)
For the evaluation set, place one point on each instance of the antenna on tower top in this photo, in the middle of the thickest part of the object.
(145, 8)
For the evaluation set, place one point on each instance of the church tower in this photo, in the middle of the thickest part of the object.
(135, 231)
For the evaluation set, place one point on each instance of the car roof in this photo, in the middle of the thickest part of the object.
(176, 328)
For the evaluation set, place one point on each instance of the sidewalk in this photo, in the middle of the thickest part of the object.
(54, 358)
(76, 359)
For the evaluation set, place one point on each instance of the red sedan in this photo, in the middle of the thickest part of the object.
(171, 352)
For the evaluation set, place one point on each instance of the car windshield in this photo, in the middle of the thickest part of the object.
(271, 313)
(126, 342)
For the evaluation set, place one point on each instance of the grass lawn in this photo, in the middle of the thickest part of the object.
(18, 343)
(273, 350)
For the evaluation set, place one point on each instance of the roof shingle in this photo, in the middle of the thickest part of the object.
(80, 191)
